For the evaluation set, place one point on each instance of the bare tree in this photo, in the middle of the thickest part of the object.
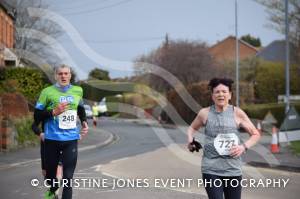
(276, 11)
(189, 61)
(24, 39)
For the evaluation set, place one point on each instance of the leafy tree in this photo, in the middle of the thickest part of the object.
(247, 69)
(251, 40)
(99, 74)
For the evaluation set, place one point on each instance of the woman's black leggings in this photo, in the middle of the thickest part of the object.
(53, 151)
(219, 185)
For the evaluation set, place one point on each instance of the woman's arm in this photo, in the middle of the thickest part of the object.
(243, 121)
(198, 122)
(246, 124)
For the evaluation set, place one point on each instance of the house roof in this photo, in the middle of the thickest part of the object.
(275, 51)
(8, 9)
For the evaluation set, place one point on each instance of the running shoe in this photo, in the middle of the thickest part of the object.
(50, 195)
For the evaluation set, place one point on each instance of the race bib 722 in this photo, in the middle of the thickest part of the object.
(224, 142)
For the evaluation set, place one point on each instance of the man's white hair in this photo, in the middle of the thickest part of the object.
(62, 66)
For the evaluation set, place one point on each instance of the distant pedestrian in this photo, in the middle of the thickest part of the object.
(95, 111)
(222, 146)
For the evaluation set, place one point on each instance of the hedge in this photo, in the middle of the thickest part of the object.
(28, 81)
(95, 90)
(270, 81)
(259, 111)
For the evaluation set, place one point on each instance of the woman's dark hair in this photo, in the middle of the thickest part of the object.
(216, 81)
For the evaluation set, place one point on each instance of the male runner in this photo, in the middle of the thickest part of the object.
(60, 103)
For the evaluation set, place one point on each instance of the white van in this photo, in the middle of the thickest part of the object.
(102, 108)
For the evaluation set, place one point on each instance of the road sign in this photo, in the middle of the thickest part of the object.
(290, 128)
(291, 121)
(269, 119)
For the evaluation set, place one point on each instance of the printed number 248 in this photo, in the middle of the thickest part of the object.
(69, 118)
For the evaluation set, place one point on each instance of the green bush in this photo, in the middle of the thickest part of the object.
(259, 111)
(139, 100)
(28, 81)
(270, 81)
(95, 90)
(112, 104)
(268, 78)
(25, 136)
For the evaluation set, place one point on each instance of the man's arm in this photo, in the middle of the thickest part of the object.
(35, 128)
(38, 117)
(82, 117)
(81, 113)
(42, 115)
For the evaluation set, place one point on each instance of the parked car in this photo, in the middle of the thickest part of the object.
(88, 111)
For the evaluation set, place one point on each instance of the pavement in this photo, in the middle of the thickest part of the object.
(95, 139)
(261, 156)
(258, 156)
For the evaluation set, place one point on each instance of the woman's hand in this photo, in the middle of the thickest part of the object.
(237, 150)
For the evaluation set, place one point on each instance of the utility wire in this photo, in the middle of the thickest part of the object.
(124, 40)
(96, 9)
(80, 5)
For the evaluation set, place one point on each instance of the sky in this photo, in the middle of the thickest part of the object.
(116, 32)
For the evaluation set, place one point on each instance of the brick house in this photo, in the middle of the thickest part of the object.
(224, 50)
(7, 56)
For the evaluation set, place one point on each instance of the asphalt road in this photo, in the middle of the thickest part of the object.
(142, 162)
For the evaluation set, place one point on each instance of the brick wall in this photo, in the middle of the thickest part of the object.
(6, 29)
(12, 105)
(225, 50)
(6, 33)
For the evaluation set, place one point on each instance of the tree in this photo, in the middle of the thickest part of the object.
(269, 77)
(276, 11)
(251, 40)
(248, 69)
(99, 74)
(189, 61)
(24, 39)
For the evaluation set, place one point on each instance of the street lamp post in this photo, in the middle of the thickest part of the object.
(237, 55)
(287, 64)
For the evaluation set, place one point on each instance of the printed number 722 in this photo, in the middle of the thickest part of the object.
(226, 143)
